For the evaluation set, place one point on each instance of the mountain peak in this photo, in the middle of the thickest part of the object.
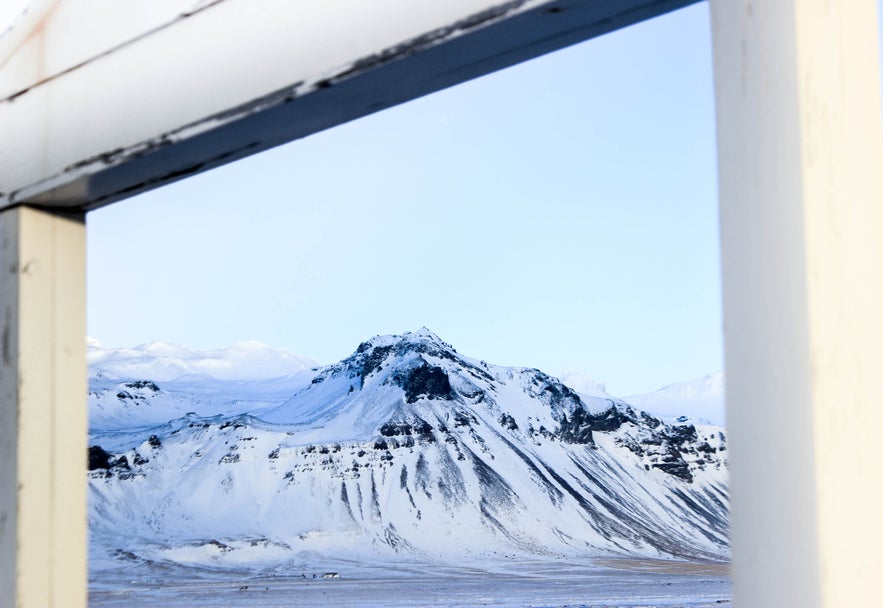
(422, 336)
(400, 355)
(425, 331)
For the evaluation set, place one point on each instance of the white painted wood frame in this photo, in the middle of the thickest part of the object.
(102, 100)
(800, 148)
(42, 408)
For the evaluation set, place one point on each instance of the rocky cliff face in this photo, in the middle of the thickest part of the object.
(408, 448)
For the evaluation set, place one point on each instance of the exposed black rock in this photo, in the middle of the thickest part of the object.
(223, 547)
(680, 434)
(426, 381)
(229, 458)
(609, 420)
(370, 357)
(372, 360)
(138, 384)
(392, 429)
(678, 469)
(561, 395)
(418, 428)
(508, 422)
(578, 429)
(423, 429)
(464, 419)
(232, 423)
(650, 420)
(98, 458)
(101, 460)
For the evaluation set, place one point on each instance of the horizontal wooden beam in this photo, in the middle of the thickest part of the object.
(100, 101)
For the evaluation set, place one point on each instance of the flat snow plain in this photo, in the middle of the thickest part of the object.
(536, 584)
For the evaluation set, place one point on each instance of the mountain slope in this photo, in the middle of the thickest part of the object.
(407, 448)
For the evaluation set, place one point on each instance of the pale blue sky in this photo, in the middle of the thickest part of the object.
(560, 214)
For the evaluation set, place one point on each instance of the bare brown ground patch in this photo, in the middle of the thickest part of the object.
(662, 566)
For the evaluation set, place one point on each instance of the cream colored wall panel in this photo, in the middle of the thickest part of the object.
(42, 410)
(801, 195)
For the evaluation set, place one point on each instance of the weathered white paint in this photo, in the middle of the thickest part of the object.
(103, 100)
(88, 122)
(801, 196)
(42, 409)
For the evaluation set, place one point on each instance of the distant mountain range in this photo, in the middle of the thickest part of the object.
(162, 361)
(404, 449)
(701, 400)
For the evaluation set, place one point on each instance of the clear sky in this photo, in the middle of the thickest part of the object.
(560, 214)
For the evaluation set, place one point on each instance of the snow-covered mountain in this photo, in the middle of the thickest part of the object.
(123, 391)
(162, 361)
(404, 449)
(697, 400)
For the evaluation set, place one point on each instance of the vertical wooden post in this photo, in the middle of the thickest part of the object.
(43, 423)
(800, 148)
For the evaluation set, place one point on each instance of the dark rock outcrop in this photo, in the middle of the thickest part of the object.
(426, 381)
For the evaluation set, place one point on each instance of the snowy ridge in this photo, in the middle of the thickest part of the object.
(584, 385)
(124, 383)
(163, 361)
(405, 448)
(700, 400)
(116, 403)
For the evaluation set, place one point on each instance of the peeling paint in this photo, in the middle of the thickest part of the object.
(284, 95)
(298, 89)
(288, 94)
(432, 38)
(78, 185)
(173, 175)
